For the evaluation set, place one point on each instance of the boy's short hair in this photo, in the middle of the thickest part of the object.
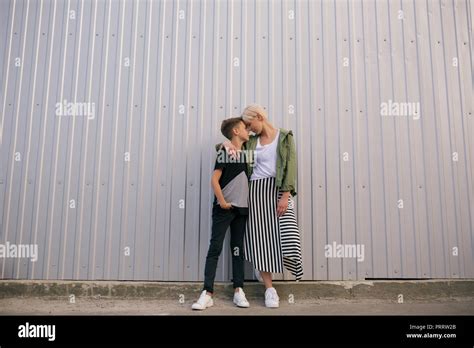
(228, 125)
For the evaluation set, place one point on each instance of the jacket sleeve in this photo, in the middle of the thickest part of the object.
(290, 174)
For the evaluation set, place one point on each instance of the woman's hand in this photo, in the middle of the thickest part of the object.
(283, 204)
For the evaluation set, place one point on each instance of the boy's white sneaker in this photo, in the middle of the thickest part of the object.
(204, 301)
(240, 300)
(271, 298)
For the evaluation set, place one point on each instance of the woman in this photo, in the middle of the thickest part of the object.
(272, 238)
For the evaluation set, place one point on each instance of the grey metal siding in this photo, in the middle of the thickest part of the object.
(162, 76)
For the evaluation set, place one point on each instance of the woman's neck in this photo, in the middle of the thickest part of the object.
(268, 130)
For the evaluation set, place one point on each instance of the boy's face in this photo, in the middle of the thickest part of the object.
(241, 131)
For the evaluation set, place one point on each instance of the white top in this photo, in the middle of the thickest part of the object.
(265, 159)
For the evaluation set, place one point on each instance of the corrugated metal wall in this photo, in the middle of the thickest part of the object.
(122, 190)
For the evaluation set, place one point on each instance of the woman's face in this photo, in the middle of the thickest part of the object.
(255, 124)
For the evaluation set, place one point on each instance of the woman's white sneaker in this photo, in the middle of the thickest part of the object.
(240, 300)
(205, 301)
(271, 298)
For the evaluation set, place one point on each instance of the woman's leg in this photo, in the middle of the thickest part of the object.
(271, 297)
(267, 279)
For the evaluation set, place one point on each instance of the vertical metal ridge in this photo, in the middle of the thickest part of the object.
(102, 116)
(81, 219)
(114, 157)
(27, 154)
(22, 62)
(44, 135)
(8, 71)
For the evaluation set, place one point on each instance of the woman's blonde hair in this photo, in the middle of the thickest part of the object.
(252, 111)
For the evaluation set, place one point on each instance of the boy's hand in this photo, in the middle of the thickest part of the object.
(225, 205)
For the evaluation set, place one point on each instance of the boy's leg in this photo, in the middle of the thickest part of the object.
(221, 219)
(237, 230)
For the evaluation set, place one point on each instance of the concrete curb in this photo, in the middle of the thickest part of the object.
(350, 290)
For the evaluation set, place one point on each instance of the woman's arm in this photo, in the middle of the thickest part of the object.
(289, 177)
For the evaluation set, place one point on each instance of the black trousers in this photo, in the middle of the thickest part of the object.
(221, 220)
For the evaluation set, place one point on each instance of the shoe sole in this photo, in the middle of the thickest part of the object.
(201, 309)
(241, 306)
(277, 306)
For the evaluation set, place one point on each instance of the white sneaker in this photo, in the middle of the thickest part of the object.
(240, 300)
(258, 276)
(204, 301)
(271, 298)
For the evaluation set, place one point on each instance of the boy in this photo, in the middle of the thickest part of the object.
(230, 184)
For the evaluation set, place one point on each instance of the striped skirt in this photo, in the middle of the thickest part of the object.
(271, 242)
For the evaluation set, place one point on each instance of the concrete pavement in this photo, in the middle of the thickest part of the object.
(381, 297)
(135, 306)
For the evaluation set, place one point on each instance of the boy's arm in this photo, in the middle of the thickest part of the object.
(216, 175)
(228, 145)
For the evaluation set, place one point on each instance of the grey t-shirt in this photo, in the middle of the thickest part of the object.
(234, 179)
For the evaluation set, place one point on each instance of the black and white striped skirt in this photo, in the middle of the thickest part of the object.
(272, 242)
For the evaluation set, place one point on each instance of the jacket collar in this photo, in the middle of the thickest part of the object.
(285, 132)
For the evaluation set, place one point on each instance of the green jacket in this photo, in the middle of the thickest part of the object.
(286, 171)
